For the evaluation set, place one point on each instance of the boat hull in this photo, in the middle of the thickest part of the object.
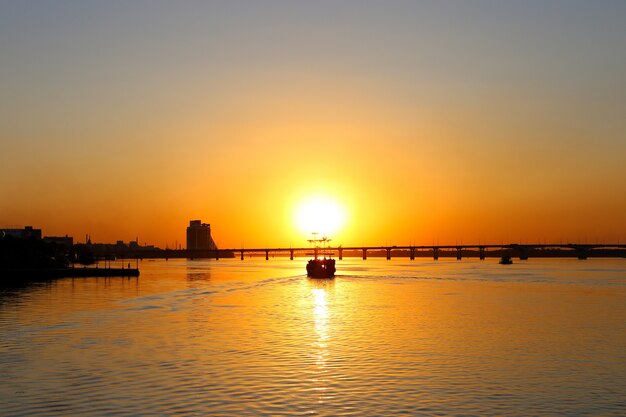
(321, 268)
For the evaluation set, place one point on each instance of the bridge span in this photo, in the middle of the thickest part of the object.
(523, 251)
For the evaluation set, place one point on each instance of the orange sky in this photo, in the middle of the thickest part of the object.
(493, 129)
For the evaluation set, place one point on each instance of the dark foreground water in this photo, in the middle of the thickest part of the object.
(233, 338)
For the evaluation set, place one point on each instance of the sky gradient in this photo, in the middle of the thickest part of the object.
(428, 121)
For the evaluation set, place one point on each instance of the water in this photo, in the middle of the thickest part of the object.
(399, 337)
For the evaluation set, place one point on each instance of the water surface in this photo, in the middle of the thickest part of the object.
(205, 337)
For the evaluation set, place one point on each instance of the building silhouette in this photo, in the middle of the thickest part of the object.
(66, 240)
(26, 233)
(199, 236)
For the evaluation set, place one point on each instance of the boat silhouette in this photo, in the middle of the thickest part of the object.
(322, 265)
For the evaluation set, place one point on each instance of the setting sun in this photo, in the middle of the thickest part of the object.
(322, 215)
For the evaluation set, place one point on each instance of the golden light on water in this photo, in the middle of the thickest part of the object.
(320, 316)
(320, 214)
(320, 311)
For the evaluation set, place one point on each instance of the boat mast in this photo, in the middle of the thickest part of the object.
(315, 242)
(325, 240)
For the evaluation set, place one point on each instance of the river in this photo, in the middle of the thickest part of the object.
(256, 337)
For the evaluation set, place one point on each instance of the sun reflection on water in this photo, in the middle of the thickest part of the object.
(320, 312)
(321, 316)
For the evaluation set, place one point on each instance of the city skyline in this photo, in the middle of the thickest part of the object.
(430, 122)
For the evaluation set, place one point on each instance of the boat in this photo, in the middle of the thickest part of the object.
(506, 260)
(320, 266)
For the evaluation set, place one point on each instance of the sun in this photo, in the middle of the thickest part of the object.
(320, 214)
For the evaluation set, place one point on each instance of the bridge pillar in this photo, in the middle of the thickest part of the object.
(340, 254)
(388, 253)
(217, 255)
(436, 253)
(267, 255)
(364, 253)
(291, 254)
(242, 255)
(412, 253)
(583, 252)
(458, 253)
(481, 252)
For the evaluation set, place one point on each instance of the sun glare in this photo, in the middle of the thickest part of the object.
(321, 215)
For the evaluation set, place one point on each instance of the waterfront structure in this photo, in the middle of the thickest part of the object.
(67, 241)
(524, 251)
(25, 233)
(199, 236)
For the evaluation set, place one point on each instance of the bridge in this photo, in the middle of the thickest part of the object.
(523, 251)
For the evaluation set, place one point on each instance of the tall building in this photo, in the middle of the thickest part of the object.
(199, 236)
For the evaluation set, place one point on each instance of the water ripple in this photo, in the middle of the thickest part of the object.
(381, 339)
